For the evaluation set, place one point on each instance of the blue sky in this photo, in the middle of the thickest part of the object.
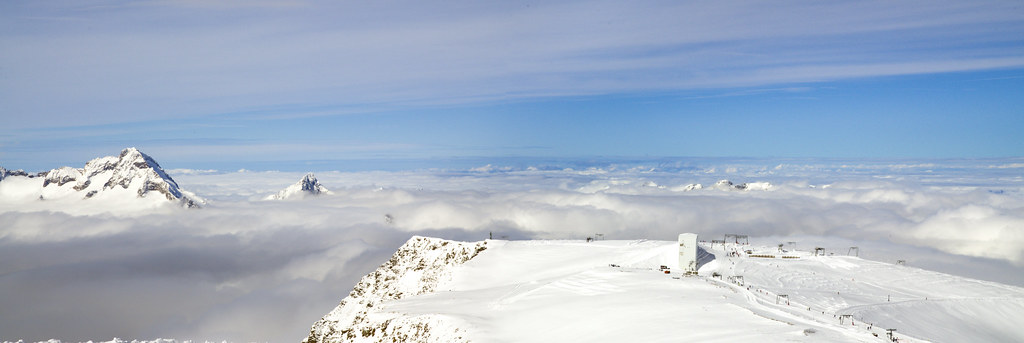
(278, 85)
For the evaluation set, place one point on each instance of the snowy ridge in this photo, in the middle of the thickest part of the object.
(307, 186)
(418, 267)
(131, 174)
(5, 173)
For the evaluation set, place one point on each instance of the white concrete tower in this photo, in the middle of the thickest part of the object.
(688, 253)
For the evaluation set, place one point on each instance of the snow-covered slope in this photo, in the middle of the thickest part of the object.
(614, 291)
(418, 267)
(131, 176)
(307, 186)
(919, 303)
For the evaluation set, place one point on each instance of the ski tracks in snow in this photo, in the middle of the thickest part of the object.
(586, 283)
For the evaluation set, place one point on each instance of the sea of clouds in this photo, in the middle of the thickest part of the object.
(243, 269)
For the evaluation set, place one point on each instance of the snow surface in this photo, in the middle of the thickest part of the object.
(614, 291)
(918, 303)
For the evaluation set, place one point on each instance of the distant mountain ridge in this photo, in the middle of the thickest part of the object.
(5, 173)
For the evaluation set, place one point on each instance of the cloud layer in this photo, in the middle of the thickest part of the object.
(242, 269)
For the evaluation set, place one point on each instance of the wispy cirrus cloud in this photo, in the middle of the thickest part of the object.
(194, 59)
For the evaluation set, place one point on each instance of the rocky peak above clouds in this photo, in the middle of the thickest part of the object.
(130, 173)
(307, 186)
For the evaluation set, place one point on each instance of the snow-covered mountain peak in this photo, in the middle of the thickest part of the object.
(308, 185)
(132, 166)
(131, 174)
(130, 158)
(64, 175)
